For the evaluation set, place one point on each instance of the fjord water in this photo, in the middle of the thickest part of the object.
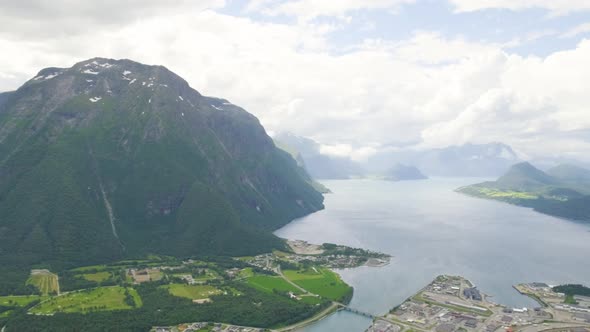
(430, 230)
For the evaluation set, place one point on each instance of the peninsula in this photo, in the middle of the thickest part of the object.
(454, 304)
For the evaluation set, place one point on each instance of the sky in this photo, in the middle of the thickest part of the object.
(359, 76)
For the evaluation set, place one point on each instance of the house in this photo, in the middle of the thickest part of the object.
(445, 328)
(471, 323)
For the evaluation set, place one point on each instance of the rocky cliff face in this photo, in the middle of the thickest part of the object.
(113, 158)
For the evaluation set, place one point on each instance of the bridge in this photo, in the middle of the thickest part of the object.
(356, 311)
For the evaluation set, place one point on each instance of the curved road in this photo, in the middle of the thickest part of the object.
(292, 283)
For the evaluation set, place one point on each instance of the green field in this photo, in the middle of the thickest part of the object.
(193, 292)
(209, 275)
(96, 299)
(246, 273)
(46, 282)
(311, 300)
(320, 281)
(89, 268)
(6, 313)
(569, 299)
(268, 283)
(500, 194)
(97, 277)
(18, 301)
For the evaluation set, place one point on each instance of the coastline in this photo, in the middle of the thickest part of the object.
(521, 291)
(327, 312)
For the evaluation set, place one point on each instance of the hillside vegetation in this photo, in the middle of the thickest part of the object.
(111, 159)
(563, 191)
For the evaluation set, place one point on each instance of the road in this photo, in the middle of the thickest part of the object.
(279, 272)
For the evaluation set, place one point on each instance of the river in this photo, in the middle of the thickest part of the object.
(430, 230)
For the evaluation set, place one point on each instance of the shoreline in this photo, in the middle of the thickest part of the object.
(449, 305)
(373, 262)
(531, 296)
(333, 308)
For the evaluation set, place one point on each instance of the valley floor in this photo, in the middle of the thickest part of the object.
(278, 290)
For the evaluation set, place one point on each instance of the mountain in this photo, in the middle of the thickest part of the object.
(525, 177)
(564, 191)
(570, 173)
(468, 160)
(301, 166)
(401, 172)
(112, 158)
(4, 97)
(319, 166)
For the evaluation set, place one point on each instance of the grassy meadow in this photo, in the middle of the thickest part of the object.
(96, 299)
(320, 281)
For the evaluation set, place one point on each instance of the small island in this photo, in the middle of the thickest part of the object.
(400, 172)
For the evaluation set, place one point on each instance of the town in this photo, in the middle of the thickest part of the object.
(454, 304)
(328, 255)
(205, 326)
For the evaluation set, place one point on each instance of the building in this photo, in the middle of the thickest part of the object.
(539, 285)
(472, 323)
(579, 329)
(445, 328)
(472, 293)
(582, 316)
(382, 326)
(491, 328)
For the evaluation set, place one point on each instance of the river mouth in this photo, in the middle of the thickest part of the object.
(430, 230)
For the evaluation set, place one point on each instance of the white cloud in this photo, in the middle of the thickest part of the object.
(338, 150)
(421, 48)
(430, 89)
(535, 105)
(310, 9)
(347, 150)
(557, 7)
(42, 19)
(577, 30)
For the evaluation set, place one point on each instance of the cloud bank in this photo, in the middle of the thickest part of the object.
(426, 90)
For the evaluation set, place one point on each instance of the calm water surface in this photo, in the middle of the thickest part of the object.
(431, 230)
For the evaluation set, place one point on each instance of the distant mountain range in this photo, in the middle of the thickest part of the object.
(319, 166)
(562, 191)
(401, 172)
(112, 158)
(468, 160)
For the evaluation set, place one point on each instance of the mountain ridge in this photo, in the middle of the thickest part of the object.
(467, 160)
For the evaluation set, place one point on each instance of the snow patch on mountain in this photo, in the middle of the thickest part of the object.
(90, 71)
